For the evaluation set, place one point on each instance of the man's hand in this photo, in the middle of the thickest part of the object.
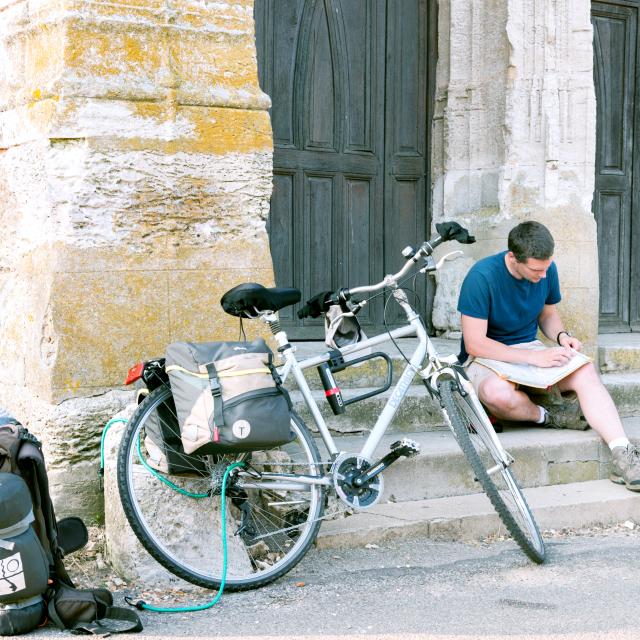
(551, 357)
(570, 342)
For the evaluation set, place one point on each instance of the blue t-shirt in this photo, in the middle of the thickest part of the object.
(511, 306)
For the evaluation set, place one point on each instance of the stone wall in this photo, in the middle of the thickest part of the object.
(514, 139)
(135, 176)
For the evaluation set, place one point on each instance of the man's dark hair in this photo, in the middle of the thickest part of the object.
(530, 240)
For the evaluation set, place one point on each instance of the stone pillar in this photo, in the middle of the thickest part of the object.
(135, 176)
(468, 142)
(514, 138)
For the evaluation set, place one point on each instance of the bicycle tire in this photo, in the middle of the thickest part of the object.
(279, 526)
(500, 485)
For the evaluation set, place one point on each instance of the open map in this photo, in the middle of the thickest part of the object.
(531, 376)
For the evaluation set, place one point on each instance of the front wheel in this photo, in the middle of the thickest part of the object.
(176, 513)
(471, 432)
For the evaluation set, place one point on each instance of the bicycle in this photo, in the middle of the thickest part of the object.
(276, 501)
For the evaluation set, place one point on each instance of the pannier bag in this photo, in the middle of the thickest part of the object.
(24, 567)
(228, 397)
(164, 445)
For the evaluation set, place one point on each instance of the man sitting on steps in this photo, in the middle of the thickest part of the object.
(503, 300)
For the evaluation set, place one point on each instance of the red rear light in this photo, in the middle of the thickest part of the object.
(135, 373)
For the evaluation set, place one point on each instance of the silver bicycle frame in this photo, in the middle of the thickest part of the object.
(400, 389)
(424, 362)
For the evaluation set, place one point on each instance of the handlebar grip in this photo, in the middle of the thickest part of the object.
(317, 305)
(453, 231)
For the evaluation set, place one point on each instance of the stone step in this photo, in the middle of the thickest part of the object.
(624, 388)
(419, 412)
(619, 352)
(542, 457)
(472, 517)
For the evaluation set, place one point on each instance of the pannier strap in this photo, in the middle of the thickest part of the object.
(278, 381)
(218, 416)
(222, 374)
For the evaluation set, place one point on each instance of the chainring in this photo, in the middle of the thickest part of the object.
(343, 470)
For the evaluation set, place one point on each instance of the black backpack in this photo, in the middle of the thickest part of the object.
(34, 584)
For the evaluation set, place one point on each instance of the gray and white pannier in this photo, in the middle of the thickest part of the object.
(228, 396)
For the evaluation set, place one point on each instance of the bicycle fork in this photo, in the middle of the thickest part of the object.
(488, 435)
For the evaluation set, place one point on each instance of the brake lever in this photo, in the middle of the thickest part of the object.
(453, 255)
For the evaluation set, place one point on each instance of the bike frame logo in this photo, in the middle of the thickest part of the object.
(401, 389)
(11, 575)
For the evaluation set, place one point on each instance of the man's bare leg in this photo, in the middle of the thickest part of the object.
(505, 402)
(596, 403)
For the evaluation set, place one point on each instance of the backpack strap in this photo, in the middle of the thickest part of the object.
(10, 443)
(104, 626)
(33, 470)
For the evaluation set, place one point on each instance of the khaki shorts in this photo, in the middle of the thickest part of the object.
(477, 372)
(565, 406)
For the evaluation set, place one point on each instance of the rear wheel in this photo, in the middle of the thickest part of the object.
(497, 480)
(176, 513)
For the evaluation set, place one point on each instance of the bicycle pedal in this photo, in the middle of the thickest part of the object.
(406, 447)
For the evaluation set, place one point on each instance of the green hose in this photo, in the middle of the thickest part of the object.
(148, 607)
(201, 607)
(102, 439)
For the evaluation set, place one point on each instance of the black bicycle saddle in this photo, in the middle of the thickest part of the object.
(246, 300)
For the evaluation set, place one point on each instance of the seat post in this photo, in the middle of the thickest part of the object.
(274, 325)
(272, 319)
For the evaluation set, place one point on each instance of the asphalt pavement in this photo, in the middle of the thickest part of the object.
(422, 588)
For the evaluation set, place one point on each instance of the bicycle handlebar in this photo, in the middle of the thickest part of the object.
(446, 231)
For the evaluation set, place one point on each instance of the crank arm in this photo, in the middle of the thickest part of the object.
(403, 448)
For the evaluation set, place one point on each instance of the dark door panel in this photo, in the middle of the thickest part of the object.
(617, 198)
(406, 136)
(348, 82)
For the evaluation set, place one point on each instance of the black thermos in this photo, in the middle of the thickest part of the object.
(331, 389)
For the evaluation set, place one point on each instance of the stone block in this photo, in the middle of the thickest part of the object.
(120, 317)
(194, 298)
(449, 280)
(135, 176)
(573, 471)
(124, 552)
(185, 527)
(70, 433)
(116, 59)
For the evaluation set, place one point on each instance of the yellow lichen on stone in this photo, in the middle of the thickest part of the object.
(165, 254)
(125, 316)
(203, 60)
(120, 318)
(229, 130)
(201, 130)
(194, 300)
(96, 50)
(43, 52)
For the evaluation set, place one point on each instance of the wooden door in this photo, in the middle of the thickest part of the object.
(349, 85)
(617, 190)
